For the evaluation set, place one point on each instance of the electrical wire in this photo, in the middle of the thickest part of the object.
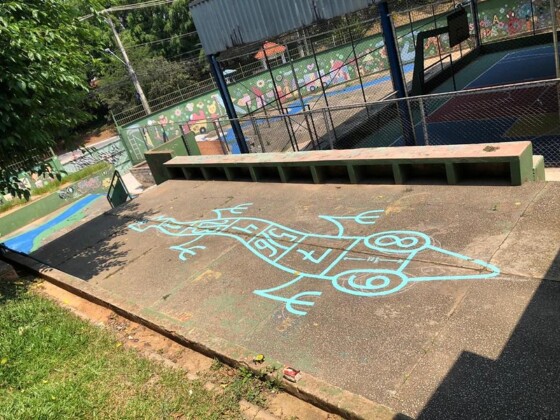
(161, 40)
(126, 7)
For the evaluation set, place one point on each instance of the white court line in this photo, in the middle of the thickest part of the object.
(486, 71)
(514, 58)
(524, 57)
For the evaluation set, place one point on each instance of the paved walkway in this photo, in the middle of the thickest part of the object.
(428, 299)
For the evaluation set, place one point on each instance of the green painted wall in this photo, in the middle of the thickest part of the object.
(156, 157)
(22, 216)
(176, 147)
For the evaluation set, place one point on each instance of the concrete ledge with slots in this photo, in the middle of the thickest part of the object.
(496, 164)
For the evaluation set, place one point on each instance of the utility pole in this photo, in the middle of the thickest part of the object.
(130, 69)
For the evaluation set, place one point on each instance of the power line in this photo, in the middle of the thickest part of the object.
(126, 7)
(162, 40)
(140, 5)
(187, 52)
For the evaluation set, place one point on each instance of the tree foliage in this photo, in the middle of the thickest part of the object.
(172, 23)
(156, 75)
(44, 57)
(162, 46)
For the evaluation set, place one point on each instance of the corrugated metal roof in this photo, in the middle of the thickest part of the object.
(222, 24)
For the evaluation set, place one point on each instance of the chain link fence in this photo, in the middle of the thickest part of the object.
(331, 89)
(524, 111)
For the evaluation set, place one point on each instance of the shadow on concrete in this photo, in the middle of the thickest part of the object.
(523, 382)
(93, 247)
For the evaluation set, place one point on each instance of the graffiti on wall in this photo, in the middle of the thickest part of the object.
(85, 186)
(361, 265)
(113, 153)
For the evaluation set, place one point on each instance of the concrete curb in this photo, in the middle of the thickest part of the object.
(310, 389)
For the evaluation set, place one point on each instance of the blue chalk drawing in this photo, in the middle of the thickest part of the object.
(312, 256)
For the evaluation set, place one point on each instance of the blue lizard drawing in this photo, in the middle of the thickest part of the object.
(317, 256)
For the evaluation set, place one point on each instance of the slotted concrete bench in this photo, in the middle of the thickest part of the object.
(509, 163)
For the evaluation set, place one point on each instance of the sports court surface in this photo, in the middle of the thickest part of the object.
(529, 113)
(466, 328)
(506, 67)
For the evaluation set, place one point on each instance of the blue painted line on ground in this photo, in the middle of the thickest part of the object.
(24, 241)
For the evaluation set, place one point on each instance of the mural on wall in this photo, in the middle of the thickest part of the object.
(95, 184)
(336, 67)
(113, 153)
(512, 18)
(364, 265)
(84, 186)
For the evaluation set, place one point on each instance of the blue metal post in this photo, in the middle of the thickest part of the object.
(392, 50)
(396, 71)
(474, 13)
(230, 109)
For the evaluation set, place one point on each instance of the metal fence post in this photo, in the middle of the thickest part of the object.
(437, 39)
(292, 130)
(555, 37)
(257, 132)
(357, 65)
(321, 82)
(411, 28)
(476, 22)
(228, 103)
(423, 119)
(532, 17)
(184, 139)
(313, 125)
(276, 95)
(329, 132)
(288, 131)
(223, 134)
(299, 95)
(263, 100)
(224, 150)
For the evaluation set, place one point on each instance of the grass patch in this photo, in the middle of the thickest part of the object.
(55, 365)
(11, 204)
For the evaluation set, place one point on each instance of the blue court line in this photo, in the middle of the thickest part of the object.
(24, 241)
(530, 51)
